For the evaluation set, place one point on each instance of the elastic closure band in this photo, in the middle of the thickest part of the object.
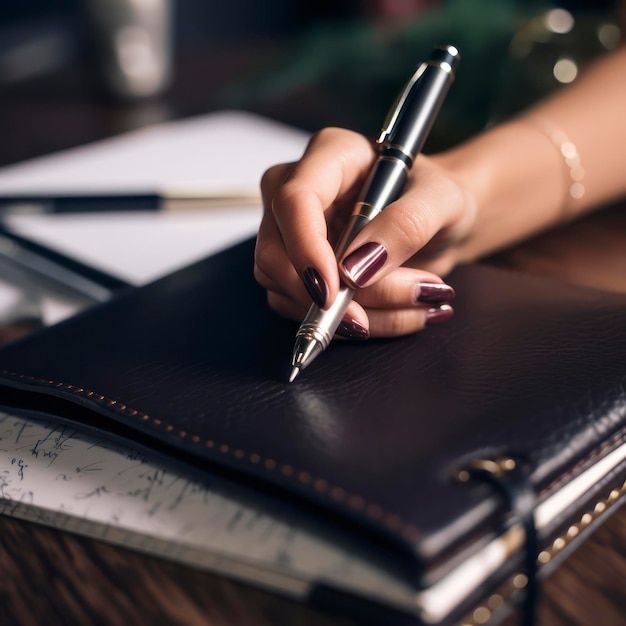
(512, 485)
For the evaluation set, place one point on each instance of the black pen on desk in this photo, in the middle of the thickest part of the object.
(402, 138)
(93, 203)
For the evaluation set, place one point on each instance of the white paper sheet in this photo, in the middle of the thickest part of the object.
(210, 154)
(221, 153)
(224, 152)
(139, 246)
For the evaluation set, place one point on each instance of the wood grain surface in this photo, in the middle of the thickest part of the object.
(51, 577)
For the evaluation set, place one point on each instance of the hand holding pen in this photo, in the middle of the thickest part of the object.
(377, 292)
(500, 187)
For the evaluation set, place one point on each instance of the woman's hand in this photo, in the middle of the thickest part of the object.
(493, 191)
(391, 261)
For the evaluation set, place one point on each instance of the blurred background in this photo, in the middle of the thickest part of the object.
(73, 71)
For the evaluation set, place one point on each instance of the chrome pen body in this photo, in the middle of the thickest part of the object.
(402, 138)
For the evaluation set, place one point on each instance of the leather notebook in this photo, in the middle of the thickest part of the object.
(438, 456)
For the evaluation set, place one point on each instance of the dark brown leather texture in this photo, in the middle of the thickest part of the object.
(372, 432)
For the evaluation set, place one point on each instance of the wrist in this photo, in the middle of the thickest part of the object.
(515, 180)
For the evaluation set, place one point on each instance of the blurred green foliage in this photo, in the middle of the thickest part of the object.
(348, 73)
(360, 67)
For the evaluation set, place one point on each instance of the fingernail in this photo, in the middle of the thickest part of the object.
(434, 292)
(439, 314)
(315, 285)
(351, 329)
(364, 262)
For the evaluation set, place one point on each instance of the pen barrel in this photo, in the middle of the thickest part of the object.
(320, 324)
(402, 138)
(421, 108)
(383, 185)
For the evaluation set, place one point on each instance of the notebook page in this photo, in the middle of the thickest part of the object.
(63, 477)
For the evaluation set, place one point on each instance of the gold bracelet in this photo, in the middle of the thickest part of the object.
(568, 151)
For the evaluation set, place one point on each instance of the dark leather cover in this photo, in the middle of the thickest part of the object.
(372, 433)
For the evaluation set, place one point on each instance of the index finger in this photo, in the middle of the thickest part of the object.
(431, 201)
(331, 171)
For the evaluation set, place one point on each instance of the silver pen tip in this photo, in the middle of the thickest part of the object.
(294, 372)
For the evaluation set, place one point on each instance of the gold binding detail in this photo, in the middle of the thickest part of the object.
(483, 613)
(498, 467)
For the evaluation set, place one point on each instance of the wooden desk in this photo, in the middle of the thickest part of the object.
(50, 577)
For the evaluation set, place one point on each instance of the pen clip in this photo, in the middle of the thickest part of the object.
(396, 110)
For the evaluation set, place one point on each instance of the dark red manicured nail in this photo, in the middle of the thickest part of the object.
(351, 329)
(364, 262)
(439, 314)
(315, 285)
(434, 292)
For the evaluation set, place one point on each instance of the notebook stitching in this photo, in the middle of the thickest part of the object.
(374, 512)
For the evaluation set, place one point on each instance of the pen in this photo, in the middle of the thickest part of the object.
(402, 138)
(162, 201)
